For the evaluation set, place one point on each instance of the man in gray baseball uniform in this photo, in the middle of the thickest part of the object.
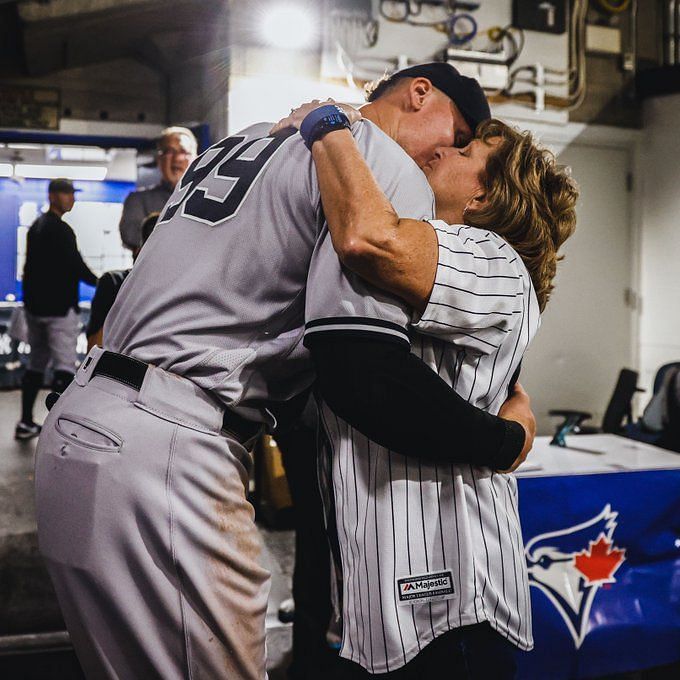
(143, 463)
(175, 150)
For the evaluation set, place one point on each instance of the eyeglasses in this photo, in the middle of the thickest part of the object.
(177, 153)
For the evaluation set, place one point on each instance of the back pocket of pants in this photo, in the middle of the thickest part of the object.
(88, 434)
(72, 479)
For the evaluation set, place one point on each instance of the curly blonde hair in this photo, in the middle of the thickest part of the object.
(530, 202)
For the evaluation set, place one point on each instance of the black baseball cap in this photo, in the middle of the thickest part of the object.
(466, 93)
(61, 185)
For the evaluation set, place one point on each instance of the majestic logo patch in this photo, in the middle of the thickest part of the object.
(425, 588)
(572, 564)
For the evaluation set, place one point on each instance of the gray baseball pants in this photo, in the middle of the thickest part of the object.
(53, 337)
(146, 531)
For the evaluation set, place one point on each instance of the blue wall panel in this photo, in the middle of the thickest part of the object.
(9, 219)
(13, 193)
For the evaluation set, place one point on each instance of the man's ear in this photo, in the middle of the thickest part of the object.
(420, 90)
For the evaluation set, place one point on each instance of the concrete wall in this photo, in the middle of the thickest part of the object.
(419, 44)
(122, 90)
(658, 176)
(588, 328)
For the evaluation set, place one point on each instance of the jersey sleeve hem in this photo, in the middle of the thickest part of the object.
(357, 327)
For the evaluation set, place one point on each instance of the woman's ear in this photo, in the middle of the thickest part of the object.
(477, 202)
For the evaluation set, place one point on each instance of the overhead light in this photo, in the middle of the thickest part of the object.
(6, 170)
(289, 27)
(78, 153)
(25, 146)
(85, 172)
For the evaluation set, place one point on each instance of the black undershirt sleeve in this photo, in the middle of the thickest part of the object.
(102, 302)
(397, 401)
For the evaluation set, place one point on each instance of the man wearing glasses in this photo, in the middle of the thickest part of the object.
(176, 148)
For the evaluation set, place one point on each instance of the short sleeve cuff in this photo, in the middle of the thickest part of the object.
(511, 447)
(357, 327)
(424, 322)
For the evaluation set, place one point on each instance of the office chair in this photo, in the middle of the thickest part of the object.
(668, 436)
(661, 374)
(618, 413)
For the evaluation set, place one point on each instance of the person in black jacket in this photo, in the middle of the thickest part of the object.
(54, 267)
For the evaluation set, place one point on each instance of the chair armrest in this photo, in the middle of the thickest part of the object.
(571, 423)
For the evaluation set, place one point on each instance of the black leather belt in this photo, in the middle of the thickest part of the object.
(131, 372)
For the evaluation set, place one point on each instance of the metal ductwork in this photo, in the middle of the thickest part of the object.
(663, 78)
(671, 32)
(67, 34)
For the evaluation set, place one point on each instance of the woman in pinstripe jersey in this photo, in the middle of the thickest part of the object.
(477, 279)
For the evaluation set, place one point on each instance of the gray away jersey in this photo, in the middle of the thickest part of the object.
(426, 548)
(217, 294)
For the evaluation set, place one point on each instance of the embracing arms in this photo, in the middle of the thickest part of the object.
(397, 255)
(394, 254)
(392, 397)
(379, 386)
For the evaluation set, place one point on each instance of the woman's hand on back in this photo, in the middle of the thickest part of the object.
(517, 407)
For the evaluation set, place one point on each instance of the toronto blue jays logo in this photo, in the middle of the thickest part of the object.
(571, 565)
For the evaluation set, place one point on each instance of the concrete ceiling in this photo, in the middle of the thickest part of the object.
(47, 36)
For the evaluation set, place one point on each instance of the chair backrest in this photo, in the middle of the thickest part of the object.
(619, 407)
(660, 374)
(670, 437)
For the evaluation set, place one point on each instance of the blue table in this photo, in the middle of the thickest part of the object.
(601, 531)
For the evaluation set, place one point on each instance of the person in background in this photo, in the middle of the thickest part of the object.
(310, 608)
(53, 269)
(108, 287)
(176, 148)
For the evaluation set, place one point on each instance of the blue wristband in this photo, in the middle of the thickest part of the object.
(322, 120)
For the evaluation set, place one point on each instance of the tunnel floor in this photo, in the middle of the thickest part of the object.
(27, 601)
(28, 604)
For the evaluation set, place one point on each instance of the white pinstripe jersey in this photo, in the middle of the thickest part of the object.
(426, 548)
